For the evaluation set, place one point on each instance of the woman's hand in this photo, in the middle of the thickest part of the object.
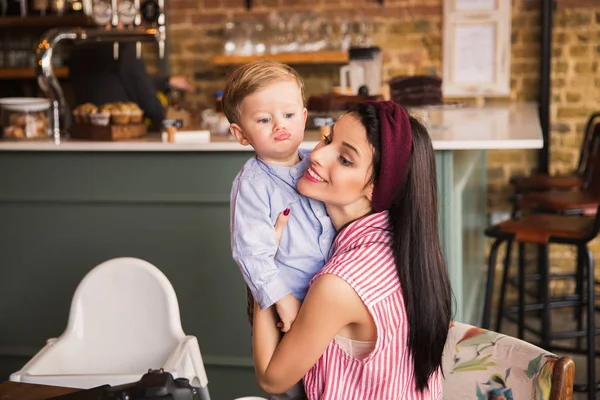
(282, 220)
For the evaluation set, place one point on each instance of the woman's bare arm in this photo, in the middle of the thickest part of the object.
(330, 305)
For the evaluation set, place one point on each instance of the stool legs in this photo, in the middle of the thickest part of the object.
(545, 294)
(578, 311)
(499, 317)
(489, 288)
(521, 292)
(591, 327)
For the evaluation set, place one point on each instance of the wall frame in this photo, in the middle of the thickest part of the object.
(476, 48)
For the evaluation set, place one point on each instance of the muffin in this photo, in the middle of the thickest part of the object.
(101, 118)
(83, 111)
(136, 115)
(119, 114)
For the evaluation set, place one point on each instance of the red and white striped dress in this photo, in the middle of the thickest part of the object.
(363, 258)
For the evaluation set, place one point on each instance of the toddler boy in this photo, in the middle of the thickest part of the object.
(264, 103)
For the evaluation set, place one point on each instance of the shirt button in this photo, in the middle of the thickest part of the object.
(294, 170)
(319, 213)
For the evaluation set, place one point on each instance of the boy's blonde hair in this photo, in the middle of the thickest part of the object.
(252, 77)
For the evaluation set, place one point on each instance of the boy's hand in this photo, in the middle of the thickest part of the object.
(287, 308)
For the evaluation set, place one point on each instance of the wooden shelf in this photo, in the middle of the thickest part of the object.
(46, 22)
(322, 57)
(29, 73)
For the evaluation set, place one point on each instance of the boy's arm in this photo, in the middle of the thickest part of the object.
(253, 243)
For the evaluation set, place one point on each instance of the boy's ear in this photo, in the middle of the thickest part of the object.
(238, 134)
(304, 115)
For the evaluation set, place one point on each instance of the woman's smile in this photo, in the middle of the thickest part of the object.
(313, 176)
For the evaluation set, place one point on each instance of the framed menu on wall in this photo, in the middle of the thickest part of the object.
(476, 48)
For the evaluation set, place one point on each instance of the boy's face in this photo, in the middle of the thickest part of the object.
(272, 120)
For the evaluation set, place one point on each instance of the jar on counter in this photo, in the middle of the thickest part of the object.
(25, 118)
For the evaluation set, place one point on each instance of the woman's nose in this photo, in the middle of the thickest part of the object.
(319, 154)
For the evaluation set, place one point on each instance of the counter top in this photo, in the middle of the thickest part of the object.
(504, 126)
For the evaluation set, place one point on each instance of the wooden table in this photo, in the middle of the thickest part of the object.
(29, 391)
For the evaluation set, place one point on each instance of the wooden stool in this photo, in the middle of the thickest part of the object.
(542, 230)
(545, 182)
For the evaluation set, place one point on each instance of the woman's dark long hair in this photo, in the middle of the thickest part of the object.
(417, 249)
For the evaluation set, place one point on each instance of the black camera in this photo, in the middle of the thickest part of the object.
(155, 385)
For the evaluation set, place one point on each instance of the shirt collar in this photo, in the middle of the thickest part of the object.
(294, 172)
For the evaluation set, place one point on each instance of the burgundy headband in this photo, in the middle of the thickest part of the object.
(396, 146)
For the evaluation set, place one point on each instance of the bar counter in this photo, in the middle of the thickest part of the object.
(66, 208)
(514, 126)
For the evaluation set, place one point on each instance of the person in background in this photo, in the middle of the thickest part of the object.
(376, 317)
(98, 78)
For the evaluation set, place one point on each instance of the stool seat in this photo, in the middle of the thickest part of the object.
(541, 182)
(585, 201)
(540, 228)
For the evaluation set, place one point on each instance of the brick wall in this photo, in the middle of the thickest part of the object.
(410, 34)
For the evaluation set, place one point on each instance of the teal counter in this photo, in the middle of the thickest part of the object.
(63, 213)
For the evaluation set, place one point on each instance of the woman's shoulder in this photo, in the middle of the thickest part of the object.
(366, 262)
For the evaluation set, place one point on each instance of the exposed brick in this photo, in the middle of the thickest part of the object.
(181, 5)
(298, 2)
(561, 38)
(572, 112)
(586, 67)
(531, 5)
(560, 67)
(560, 127)
(526, 51)
(574, 18)
(212, 4)
(558, 83)
(531, 36)
(563, 4)
(233, 4)
(182, 34)
(209, 18)
(579, 50)
(266, 3)
(573, 97)
(525, 67)
(177, 17)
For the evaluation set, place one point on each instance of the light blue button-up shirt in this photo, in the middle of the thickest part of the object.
(259, 194)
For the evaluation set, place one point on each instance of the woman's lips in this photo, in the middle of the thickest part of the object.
(313, 176)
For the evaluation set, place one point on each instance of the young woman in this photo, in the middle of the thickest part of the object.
(376, 317)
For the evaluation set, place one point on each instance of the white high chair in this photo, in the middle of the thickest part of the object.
(124, 320)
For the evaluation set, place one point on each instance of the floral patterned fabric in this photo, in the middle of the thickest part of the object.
(485, 365)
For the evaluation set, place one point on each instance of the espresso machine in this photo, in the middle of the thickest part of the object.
(118, 21)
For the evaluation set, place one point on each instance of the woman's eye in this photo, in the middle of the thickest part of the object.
(289, 115)
(344, 161)
(264, 120)
(326, 139)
